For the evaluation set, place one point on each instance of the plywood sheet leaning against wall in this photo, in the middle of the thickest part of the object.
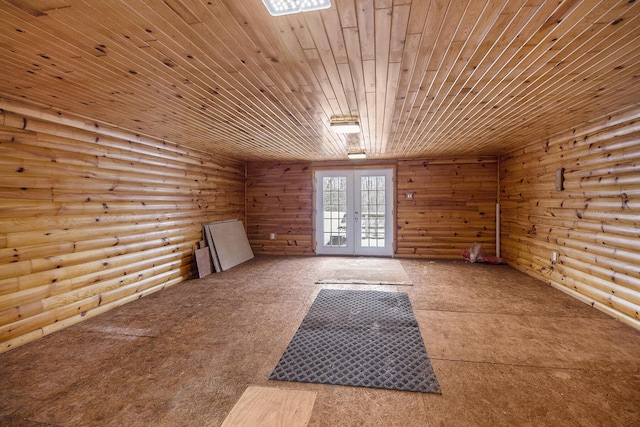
(229, 244)
(280, 202)
(92, 217)
(453, 206)
(593, 224)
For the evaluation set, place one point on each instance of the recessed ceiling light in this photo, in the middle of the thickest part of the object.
(285, 7)
(345, 127)
(358, 155)
(345, 124)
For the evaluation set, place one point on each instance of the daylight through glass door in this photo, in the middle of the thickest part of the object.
(372, 211)
(354, 212)
(335, 211)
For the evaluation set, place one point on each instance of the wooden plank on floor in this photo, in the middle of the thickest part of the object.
(268, 406)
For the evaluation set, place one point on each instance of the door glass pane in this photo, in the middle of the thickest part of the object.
(335, 211)
(372, 215)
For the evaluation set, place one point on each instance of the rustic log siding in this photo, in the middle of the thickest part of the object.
(594, 223)
(92, 218)
(453, 207)
(280, 201)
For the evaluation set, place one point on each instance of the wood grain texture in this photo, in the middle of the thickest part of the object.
(427, 78)
(271, 407)
(91, 219)
(594, 224)
(185, 356)
(453, 208)
(280, 201)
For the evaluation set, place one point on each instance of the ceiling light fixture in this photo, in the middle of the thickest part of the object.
(345, 125)
(285, 7)
(357, 155)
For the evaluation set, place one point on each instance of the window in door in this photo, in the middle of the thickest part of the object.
(354, 212)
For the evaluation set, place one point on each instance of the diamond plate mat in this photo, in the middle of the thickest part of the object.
(359, 338)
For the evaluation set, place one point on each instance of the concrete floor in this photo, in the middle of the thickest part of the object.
(507, 350)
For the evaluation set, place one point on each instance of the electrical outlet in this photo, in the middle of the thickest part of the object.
(409, 196)
(554, 257)
(272, 236)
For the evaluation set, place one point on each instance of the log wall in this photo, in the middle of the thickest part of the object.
(453, 206)
(594, 223)
(92, 217)
(280, 201)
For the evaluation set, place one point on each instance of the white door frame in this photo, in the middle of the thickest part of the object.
(352, 217)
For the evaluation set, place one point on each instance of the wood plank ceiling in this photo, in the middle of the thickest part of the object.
(426, 78)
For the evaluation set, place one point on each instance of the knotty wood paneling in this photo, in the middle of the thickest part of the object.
(92, 217)
(427, 78)
(453, 207)
(594, 223)
(280, 200)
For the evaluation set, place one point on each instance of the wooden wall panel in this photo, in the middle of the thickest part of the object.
(453, 207)
(280, 201)
(92, 217)
(594, 223)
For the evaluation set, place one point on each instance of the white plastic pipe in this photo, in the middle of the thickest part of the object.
(497, 230)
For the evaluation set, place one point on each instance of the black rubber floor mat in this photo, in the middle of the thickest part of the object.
(359, 338)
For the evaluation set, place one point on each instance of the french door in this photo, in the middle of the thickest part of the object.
(354, 212)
